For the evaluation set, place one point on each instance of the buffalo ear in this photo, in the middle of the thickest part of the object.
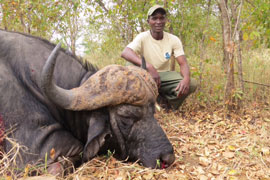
(97, 132)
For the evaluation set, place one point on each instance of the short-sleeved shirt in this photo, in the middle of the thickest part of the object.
(157, 52)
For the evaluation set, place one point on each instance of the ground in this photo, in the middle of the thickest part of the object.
(208, 145)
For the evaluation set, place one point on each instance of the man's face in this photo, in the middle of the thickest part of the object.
(157, 22)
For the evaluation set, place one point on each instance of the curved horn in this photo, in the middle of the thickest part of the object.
(113, 85)
(56, 94)
(109, 86)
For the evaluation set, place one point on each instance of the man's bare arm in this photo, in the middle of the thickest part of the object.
(132, 57)
(183, 86)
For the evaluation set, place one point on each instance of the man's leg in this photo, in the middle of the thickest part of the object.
(169, 82)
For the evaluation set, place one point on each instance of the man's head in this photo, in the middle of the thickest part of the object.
(156, 18)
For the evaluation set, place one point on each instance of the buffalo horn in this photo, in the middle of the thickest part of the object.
(112, 85)
(55, 93)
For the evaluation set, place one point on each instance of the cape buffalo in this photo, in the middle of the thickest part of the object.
(52, 102)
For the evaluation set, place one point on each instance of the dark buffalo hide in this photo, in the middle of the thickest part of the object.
(41, 125)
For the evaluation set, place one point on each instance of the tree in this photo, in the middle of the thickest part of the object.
(256, 24)
(29, 16)
(44, 18)
(230, 18)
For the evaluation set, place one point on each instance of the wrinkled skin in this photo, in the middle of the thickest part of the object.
(43, 126)
(144, 138)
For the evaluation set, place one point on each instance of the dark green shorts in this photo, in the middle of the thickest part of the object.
(169, 81)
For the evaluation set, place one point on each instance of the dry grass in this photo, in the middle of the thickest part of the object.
(8, 159)
(255, 65)
(207, 146)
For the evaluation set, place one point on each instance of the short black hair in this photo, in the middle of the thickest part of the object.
(159, 10)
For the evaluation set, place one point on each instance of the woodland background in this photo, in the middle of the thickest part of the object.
(226, 41)
(222, 130)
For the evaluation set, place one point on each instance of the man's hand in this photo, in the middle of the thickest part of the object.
(153, 72)
(183, 87)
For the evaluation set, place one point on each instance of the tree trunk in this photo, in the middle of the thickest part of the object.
(238, 39)
(74, 28)
(226, 31)
(228, 50)
(202, 46)
(172, 64)
(239, 57)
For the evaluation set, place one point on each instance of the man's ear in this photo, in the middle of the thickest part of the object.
(98, 130)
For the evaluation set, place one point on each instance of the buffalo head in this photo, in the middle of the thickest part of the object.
(128, 94)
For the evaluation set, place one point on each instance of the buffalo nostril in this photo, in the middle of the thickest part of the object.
(167, 160)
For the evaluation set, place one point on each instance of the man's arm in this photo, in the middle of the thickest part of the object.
(183, 86)
(129, 55)
(132, 57)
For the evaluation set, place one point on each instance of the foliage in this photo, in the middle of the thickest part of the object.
(47, 19)
(123, 20)
(208, 144)
(31, 16)
(185, 23)
(256, 22)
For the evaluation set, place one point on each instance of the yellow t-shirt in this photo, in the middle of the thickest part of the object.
(157, 52)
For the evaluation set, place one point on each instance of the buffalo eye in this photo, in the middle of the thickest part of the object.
(125, 125)
(130, 112)
(127, 115)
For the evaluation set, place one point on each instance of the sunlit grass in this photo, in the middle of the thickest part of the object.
(255, 63)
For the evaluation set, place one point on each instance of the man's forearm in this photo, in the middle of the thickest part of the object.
(184, 67)
(131, 56)
(185, 72)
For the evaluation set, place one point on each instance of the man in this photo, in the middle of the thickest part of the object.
(157, 47)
